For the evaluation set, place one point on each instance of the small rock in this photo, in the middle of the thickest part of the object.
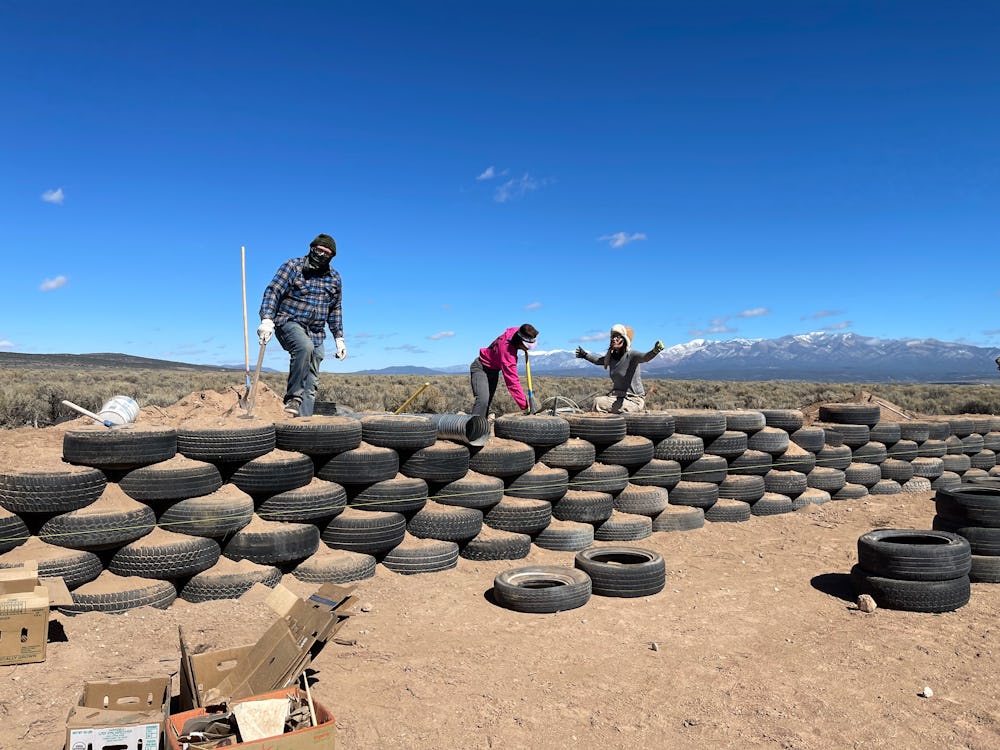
(654, 646)
(366, 608)
(866, 603)
(926, 693)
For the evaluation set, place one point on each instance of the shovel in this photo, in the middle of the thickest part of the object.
(249, 400)
(531, 391)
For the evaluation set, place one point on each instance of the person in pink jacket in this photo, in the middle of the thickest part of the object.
(500, 356)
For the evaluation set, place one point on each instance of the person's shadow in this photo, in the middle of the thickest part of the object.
(835, 584)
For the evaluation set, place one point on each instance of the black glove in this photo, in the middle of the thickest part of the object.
(581, 353)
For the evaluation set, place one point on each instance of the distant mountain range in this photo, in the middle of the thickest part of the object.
(818, 357)
(823, 357)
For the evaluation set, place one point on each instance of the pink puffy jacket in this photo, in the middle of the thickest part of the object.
(502, 355)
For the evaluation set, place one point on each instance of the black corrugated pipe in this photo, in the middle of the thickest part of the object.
(466, 428)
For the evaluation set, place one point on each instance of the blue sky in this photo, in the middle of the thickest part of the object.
(695, 170)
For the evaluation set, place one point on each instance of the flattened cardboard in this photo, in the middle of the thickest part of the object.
(278, 657)
(25, 601)
(320, 737)
(123, 713)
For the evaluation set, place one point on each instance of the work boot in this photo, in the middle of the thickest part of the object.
(292, 406)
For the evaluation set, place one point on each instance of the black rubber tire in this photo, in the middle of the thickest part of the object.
(624, 527)
(121, 447)
(913, 596)
(863, 474)
(318, 501)
(893, 468)
(365, 464)
(788, 483)
(850, 491)
(368, 532)
(972, 444)
(541, 483)
(75, 567)
(826, 479)
(744, 420)
(400, 494)
(503, 458)
(223, 512)
(885, 487)
(809, 438)
(519, 515)
(227, 579)
(448, 523)
(954, 446)
(596, 428)
(925, 466)
(938, 430)
(165, 555)
(565, 536)
(708, 468)
(598, 477)
(227, 445)
(812, 496)
(680, 448)
(638, 500)
(13, 531)
(584, 506)
(916, 431)
(834, 456)
(537, 430)
(788, 420)
(961, 426)
(177, 478)
(541, 589)
(984, 459)
(318, 436)
(985, 569)
(957, 462)
(770, 440)
(869, 453)
(795, 459)
(679, 518)
(657, 473)
(474, 490)
(444, 461)
(493, 544)
(729, 444)
(773, 504)
(113, 594)
(52, 490)
(272, 542)
(728, 511)
(114, 519)
(982, 539)
(887, 433)
(335, 566)
(912, 555)
(696, 494)
(398, 431)
(743, 487)
(654, 425)
(631, 452)
(851, 435)
(572, 455)
(904, 450)
(623, 571)
(754, 463)
(917, 484)
(274, 472)
(414, 555)
(866, 414)
(973, 504)
(704, 423)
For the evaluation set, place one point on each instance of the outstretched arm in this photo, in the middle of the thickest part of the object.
(597, 359)
(657, 348)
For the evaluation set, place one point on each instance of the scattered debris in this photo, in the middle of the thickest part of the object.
(866, 603)
(926, 693)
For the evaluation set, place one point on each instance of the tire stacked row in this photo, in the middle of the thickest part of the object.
(973, 512)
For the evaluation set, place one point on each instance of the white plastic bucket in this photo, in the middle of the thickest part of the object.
(119, 410)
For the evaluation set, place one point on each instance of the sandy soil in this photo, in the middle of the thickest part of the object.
(755, 643)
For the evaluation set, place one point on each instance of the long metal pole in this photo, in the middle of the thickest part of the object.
(246, 333)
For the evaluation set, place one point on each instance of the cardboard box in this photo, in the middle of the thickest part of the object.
(123, 714)
(278, 657)
(25, 600)
(320, 737)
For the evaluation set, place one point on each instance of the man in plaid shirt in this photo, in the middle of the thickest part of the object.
(301, 300)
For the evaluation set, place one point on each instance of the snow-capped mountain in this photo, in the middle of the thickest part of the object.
(832, 357)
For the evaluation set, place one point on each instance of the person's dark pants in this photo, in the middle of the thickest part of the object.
(484, 386)
(303, 369)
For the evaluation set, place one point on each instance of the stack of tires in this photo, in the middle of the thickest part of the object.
(973, 512)
(916, 571)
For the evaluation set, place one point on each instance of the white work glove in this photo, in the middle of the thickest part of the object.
(265, 330)
(341, 348)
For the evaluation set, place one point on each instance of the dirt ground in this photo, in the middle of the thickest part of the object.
(754, 643)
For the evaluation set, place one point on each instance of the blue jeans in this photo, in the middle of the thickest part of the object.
(303, 370)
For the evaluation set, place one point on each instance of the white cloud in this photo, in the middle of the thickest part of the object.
(57, 283)
(591, 337)
(488, 174)
(519, 186)
(715, 327)
(441, 335)
(533, 306)
(838, 327)
(54, 196)
(822, 314)
(406, 348)
(621, 239)
(5, 344)
(754, 312)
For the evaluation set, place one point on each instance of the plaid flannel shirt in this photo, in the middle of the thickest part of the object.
(312, 301)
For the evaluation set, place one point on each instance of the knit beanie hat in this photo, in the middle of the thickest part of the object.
(324, 240)
(626, 332)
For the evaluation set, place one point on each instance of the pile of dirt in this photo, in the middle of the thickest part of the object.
(890, 412)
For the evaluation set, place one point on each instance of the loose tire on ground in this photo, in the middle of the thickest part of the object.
(542, 589)
(622, 571)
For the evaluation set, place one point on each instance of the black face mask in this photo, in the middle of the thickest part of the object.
(317, 262)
